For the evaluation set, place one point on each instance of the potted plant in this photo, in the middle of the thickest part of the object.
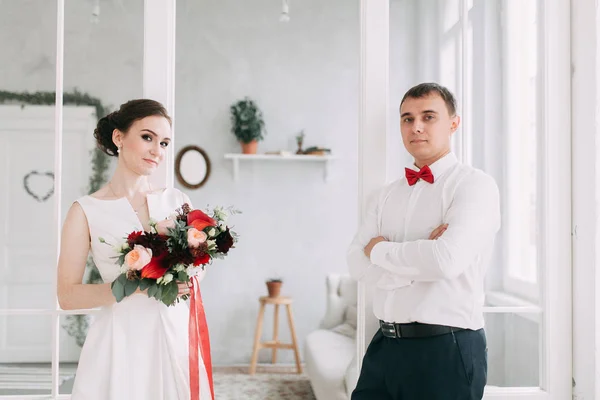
(299, 141)
(274, 287)
(247, 124)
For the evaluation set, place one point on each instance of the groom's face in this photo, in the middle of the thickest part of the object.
(427, 127)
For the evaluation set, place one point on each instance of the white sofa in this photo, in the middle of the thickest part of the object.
(330, 351)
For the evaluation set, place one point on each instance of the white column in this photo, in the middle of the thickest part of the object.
(373, 121)
(58, 160)
(159, 70)
(585, 53)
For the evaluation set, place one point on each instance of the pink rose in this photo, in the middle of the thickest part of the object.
(163, 226)
(138, 258)
(195, 237)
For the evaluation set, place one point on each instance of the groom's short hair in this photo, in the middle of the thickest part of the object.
(425, 89)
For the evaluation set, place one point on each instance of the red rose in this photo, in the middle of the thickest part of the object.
(224, 241)
(154, 269)
(203, 259)
(199, 220)
(133, 236)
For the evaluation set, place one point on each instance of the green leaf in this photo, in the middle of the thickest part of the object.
(152, 290)
(145, 283)
(123, 279)
(182, 276)
(158, 294)
(131, 286)
(118, 290)
(169, 294)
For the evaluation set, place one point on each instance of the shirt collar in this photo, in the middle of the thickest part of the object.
(440, 166)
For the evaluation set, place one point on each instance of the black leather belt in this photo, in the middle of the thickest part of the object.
(415, 330)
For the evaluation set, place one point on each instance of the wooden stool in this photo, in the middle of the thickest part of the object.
(275, 343)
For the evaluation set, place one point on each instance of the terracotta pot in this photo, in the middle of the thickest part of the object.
(274, 288)
(249, 148)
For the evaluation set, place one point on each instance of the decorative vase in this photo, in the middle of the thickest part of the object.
(249, 148)
(274, 288)
(299, 151)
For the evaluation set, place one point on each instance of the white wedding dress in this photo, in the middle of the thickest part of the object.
(136, 349)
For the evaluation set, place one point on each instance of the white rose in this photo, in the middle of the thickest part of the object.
(212, 232)
(167, 278)
(180, 267)
(189, 270)
(211, 244)
(198, 272)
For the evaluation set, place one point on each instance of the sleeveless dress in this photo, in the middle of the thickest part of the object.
(136, 349)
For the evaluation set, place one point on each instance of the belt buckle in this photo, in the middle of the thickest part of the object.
(389, 329)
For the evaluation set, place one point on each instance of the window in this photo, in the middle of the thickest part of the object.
(522, 128)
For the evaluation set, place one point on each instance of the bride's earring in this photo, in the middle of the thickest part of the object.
(119, 149)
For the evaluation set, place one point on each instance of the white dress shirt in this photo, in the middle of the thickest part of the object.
(430, 281)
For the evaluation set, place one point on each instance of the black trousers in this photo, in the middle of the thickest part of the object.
(446, 367)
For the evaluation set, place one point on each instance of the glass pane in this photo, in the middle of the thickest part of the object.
(103, 69)
(503, 119)
(303, 75)
(522, 130)
(27, 80)
(25, 355)
(72, 336)
(513, 349)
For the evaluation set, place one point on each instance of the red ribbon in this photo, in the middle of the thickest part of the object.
(198, 333)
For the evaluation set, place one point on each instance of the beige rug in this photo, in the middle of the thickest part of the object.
(269, 383)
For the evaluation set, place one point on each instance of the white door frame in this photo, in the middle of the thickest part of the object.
(585, 42)
(159, 71)
(556, 378)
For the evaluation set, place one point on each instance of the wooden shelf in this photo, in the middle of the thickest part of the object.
(237, 157)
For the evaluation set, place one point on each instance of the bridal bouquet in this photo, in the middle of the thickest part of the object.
(173, 251)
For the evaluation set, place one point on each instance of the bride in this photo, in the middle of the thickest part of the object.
(137, 349)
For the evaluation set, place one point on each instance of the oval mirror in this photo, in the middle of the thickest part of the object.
(192, 167)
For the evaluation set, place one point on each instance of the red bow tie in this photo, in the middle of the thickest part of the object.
(413, 176)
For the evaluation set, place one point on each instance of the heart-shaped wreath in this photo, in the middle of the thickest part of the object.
(48, 194)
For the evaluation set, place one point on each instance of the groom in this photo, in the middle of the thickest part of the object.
(424, 243)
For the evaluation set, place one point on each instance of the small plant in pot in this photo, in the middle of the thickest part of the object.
(247, 124)
(274, 287)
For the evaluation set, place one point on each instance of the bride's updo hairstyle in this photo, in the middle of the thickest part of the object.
(122, 119)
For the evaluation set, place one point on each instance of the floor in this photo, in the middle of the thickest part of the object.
(270, 382)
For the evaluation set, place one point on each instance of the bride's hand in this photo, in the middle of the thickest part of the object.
(184, 288)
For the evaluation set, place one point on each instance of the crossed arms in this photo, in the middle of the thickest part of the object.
(470, 225)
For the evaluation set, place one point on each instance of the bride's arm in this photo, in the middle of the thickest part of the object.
(74, 249)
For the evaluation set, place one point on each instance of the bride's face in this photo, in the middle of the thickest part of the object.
(144, 146)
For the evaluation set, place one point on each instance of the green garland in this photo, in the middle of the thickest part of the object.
(77, 325)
